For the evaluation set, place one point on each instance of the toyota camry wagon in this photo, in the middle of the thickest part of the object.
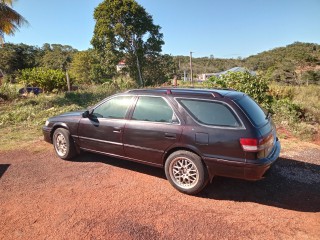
(194, 134)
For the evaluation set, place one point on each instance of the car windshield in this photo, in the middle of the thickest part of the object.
(252, 110)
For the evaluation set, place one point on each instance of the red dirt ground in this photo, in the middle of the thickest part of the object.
(97, 197)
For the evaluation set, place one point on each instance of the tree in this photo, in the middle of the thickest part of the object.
(10, 20)
(85, 68)
(159, 69)
(15, 57)
(57, 56)
(125, 31)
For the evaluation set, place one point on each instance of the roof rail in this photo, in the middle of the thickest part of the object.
(177, 91)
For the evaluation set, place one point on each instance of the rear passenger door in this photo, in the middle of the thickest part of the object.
(153, 128)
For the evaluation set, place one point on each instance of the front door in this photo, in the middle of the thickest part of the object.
(103, 130)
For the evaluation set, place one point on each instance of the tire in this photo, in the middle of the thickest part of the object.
(186, 172)
(64, 144)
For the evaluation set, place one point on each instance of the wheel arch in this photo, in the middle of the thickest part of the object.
(56, 126)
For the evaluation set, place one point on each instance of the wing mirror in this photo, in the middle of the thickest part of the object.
(87, 113)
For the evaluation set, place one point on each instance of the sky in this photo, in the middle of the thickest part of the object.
(222, 29)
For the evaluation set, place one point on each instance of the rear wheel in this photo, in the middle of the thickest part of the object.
(63, 144)
(186, 172)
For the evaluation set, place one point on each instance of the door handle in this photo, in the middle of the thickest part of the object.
(170, 135)
(117, 129)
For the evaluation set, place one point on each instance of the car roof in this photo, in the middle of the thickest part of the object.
(205, 92)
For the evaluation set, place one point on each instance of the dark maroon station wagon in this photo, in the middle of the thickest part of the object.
(195, 134)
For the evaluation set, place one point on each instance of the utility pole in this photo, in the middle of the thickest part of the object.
(191, 73)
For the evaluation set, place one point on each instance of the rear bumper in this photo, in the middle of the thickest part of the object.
(248, 170)
(255, 171)
(46, 134)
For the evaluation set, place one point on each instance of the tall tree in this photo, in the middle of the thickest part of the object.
(125, 31)
(57, 56)
(10, 20)
(85, 68)
(15, 57)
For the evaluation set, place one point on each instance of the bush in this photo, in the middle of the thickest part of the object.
(255, 86)
(8, 92)
(47, 79)
(298, 109)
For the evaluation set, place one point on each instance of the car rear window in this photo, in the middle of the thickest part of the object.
(252, 110)
(210, 112)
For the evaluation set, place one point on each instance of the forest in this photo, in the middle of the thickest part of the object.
(294, 64)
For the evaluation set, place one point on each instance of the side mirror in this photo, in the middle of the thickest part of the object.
(85, 114)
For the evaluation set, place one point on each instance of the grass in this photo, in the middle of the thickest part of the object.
(21, 119)
(297, 108)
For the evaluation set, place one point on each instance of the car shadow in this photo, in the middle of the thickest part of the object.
(289, 184)
(3, 169)
(117, 162)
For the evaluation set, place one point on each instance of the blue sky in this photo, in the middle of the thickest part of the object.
(224, 28)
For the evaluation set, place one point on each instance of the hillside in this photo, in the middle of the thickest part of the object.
(296, 63)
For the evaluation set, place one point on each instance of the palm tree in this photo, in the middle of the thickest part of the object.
(10, 20)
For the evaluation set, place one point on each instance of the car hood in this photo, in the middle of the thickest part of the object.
(75, 114)
(71, 114)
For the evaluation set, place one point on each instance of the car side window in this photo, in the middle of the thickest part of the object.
(210, 112)
(153, 109)
(115, 108)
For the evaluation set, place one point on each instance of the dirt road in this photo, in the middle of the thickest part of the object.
(96, 197)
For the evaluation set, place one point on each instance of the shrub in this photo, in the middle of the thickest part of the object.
(255, 86)
(47, 79)
(8, 92)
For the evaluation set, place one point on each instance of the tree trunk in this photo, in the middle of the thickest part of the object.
(68, 81)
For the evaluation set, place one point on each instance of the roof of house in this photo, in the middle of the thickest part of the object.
(236, 69)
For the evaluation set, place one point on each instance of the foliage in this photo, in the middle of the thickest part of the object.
(311, 77)
(10, 20)
(25, 116)
(57, 56)
(204, 65)
(121, 82)
(47, 79)
(8, 92)
(125, 31)
(287, 64)
(158, 69)
(297, 108)
(255, 86)
(18, 56)
(86, 68)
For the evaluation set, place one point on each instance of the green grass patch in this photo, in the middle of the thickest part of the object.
(298, 109)
(22, 118)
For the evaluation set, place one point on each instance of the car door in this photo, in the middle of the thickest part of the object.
(102, 130)
(152, 129)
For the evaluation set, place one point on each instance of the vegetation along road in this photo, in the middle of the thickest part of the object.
(97, 197)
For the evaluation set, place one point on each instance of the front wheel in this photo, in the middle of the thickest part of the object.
(63, 144)
(186, 172)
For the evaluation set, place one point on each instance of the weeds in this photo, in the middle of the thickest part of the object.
(25, 116)
(298, 109)
(8, 92)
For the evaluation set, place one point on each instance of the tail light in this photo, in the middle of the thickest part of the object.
(262, 146)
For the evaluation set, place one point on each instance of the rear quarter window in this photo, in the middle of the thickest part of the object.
(252, 110)
(210, 112)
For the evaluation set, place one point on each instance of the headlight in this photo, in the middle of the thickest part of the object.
(47, 123)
